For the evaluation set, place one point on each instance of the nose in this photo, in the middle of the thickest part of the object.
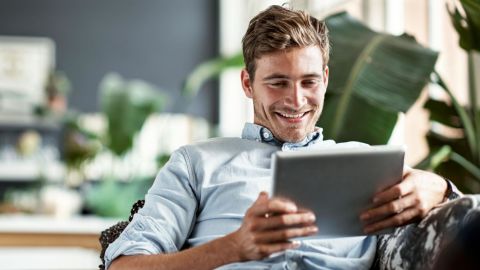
(296, 97)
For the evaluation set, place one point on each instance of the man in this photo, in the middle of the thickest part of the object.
(208, 209)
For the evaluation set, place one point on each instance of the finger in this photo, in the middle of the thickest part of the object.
(262, 198)
(281, 205)
(392, 207)
(273, 206)
(404, 217)
(260, 205)
(285, 220)
(283, 235)
(406, 171)
(394, 192)
(304, 210)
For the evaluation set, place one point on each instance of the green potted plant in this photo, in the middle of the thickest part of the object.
(458, 156)
(126, 104)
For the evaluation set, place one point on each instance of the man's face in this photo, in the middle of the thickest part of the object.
(288, 91)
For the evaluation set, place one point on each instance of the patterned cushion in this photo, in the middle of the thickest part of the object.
(111, 234)
(417, 246)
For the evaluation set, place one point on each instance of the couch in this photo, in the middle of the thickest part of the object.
(447, 238)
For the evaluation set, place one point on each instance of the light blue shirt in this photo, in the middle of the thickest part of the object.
(203, 192)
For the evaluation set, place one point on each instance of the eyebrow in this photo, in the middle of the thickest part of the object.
(282, 76)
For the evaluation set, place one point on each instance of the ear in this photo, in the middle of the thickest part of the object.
(246, 83)
(325, 76)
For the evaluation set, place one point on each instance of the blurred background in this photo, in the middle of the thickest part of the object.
(94, 96)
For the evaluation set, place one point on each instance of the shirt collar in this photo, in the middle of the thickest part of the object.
(259, 133)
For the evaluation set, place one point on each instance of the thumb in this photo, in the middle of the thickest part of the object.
(263, 195)
(259, 207)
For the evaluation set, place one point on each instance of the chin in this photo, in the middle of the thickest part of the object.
(293, 138)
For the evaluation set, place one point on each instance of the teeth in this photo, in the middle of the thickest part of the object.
(292, 115)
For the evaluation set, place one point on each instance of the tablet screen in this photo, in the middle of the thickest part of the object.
(337, 185)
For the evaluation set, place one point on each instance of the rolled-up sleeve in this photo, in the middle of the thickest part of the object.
(168, 216)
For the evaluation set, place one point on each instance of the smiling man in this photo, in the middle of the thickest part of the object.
(287, 89)
(208, 209)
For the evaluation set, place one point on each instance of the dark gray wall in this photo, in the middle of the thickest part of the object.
(159, 41)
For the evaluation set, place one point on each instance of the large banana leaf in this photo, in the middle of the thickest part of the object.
(373, 76)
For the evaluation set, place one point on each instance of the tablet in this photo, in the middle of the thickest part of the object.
(337, 184)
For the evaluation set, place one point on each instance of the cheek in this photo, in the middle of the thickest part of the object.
(320, 96)
(269, 98)
(321, 99)
(316, 99)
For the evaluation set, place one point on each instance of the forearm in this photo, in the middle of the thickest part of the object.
(258, 237)
(207, 256)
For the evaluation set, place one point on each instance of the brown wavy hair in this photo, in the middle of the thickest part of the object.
(278, 28)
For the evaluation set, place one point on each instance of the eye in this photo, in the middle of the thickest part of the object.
(278, 84)
(311, 83)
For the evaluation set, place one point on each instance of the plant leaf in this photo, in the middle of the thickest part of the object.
(126, 105)
(468, 26)
(370, 124)
(472, 10)
(464, 117)
(443, 113)
(388, 72)
(466, 164)
(459, 23)
(435, 158)
(110, 198)
(208, 70)
(459, 145)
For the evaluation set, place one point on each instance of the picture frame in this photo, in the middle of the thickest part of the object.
(25, 65)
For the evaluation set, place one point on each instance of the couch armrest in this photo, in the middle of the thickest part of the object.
(417, 246)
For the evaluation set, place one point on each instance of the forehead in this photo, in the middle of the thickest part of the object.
(292, 62)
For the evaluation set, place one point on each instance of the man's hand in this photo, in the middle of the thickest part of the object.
(408, 201)
(268, 225)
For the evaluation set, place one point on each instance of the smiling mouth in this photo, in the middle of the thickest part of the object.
(292, 117)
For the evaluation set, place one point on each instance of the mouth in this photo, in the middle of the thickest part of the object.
(292, 118)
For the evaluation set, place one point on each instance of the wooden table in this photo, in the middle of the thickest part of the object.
(45, 231)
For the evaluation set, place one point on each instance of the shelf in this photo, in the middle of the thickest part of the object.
(27, 122)
(30, 171)
(19, 223)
